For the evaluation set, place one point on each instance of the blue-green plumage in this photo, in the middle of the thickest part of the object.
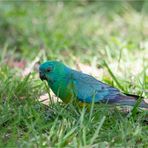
(69, 84)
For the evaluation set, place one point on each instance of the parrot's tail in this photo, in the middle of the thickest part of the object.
(129, 100)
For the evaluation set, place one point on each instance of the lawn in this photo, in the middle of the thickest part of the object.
(108, 40)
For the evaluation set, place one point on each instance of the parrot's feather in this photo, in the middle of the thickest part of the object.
(133, 96)
(129, 100)
(88, 88)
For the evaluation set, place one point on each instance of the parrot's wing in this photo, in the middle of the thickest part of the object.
(88, 89)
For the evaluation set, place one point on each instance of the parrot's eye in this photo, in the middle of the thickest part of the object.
(48, 69)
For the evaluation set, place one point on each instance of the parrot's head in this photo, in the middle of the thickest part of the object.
(51, 71)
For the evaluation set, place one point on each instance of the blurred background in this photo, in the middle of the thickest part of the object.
(82, 33)
(106, 39)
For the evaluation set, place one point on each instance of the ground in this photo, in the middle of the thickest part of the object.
(105, 39)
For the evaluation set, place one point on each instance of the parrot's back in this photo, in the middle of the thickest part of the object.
(89, 89)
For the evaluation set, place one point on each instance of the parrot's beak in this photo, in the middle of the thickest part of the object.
(42, 76)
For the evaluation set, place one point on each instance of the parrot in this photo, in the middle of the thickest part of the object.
(69, 84)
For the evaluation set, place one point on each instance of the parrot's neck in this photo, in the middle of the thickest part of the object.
(63, 87)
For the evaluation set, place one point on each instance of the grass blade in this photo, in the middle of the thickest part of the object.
(113, 76)
(98, 130)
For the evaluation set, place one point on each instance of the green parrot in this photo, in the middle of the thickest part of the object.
(69, 84)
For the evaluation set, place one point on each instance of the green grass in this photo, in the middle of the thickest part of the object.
(73, 32)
